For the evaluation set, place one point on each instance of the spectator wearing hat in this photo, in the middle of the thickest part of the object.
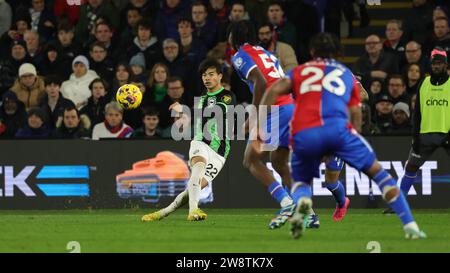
(35, 126)
(383, 115)
(137, 66)
(76, 88)
(100, 62)
(113, 126)
(72, 125)
(20, 25)
(145, 42)
(53, 103)
(9, 68)
(12, 115)
(53, 62)
(401, 124)
(95, 108)
(29, 87)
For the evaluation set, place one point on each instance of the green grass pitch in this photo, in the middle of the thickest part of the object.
(225, 230)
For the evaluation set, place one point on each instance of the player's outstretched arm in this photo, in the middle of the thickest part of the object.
(281, 87)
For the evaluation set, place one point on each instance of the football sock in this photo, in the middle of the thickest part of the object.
(338, 191)
(280, 194)
(194, 187)
(398, 203)
(407, 181)
(300, 190)
(179, 201)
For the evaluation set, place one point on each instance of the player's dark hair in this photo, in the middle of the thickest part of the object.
(52, 79)
(210, 63)
(150, 111)
(325, 45)
(242, 32)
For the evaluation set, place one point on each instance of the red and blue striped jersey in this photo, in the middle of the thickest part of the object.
(323, 90)
(250, 57)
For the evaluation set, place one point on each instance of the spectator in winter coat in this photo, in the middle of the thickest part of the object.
(53, 103)
(71, 125)
(12, 115)
(9, 68)
(35, 126)
(29, 87)
(76, 88)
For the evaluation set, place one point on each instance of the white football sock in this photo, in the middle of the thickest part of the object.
(194, 187)
(179, 201)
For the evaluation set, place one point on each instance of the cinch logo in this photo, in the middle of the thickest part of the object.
(50, 176)
(434, 102)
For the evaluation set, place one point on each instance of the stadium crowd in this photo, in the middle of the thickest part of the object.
(61, 61)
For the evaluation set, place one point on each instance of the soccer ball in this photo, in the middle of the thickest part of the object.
(129, 96)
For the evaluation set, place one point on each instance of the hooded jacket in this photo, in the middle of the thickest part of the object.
(10, 124)
(77, 89)
(81, 131)
(29, 96)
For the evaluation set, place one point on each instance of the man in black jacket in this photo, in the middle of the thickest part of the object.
(12, 115)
